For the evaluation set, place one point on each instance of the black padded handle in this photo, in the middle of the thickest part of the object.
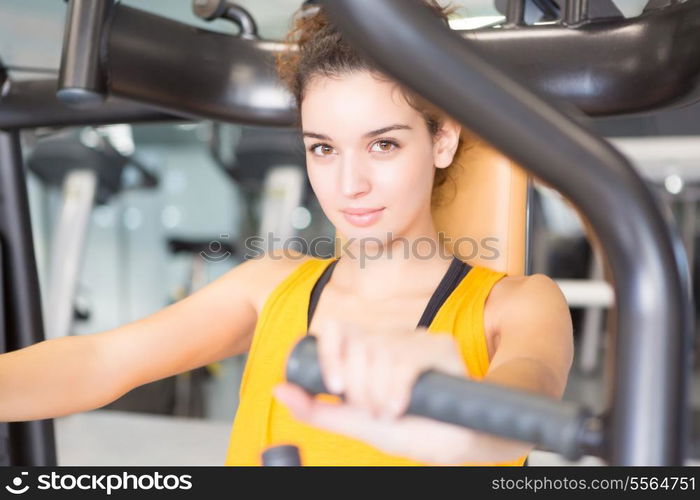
(281, 456)
(559, 426)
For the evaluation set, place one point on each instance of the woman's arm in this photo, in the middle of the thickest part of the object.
(67, 375)
(533, 335)
(533, 340)
(52, 378)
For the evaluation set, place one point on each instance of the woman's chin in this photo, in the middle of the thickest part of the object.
(367, 237)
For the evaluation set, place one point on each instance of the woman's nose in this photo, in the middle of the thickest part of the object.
(354, 179)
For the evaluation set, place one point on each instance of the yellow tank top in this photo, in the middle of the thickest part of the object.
(261, 421)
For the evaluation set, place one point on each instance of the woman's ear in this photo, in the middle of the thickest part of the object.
(446, 143)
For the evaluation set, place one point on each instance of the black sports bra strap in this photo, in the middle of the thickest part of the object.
(316, 292)
(453, 277)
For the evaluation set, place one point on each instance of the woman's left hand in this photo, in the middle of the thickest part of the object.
(376, 371)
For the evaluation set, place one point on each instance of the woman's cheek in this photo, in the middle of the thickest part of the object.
(320, 181)
(401, 180)
(324, 187)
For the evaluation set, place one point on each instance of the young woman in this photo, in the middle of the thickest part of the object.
(375, 153)
(383, 314)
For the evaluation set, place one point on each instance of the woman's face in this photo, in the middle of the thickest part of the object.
(370, 157)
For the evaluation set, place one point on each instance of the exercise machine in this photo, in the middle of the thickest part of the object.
(499, 81)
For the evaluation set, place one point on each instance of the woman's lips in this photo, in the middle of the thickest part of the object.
(363, 218)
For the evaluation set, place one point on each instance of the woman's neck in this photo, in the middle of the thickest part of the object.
(402, 266)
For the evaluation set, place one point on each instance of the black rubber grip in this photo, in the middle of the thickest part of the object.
(555, 425)
(281, 456)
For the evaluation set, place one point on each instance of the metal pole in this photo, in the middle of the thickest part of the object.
(689, 223)
(31, 443)
(575, 11)
(4, 426)
(82, 80)
(515, 13)
(33, 103)
(529, 223)
(79, 188)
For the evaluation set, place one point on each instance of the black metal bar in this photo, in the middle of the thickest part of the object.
(161, 62)
(659, 4)
(232, 79)
(281, 456)
(4, 78)
(81, 80)
(577, 64)
(244, 20)
(529, 222)
(575, 11)
(5, 444)
(4, 426)
(32, 443)
(515, 13)
(3, 306)
(648, 422)
(33, 103)
(215, 9)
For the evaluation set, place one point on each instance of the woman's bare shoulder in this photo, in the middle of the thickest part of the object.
(532, 322)
(536, 291)
(533, 287)
(268, 270)
(515, 299)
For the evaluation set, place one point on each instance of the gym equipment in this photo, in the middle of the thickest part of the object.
(219, 85)
(182, 394)
(22, 442)
(33, 103)
(82, 79)
(234, 82)
(189, 395)
(215, 9)
(4, 431)
(563, 427)
(533, 11)
(281, 456)
(268, 167)
(88, 170)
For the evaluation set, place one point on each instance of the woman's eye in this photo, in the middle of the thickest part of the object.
(321, 149)
(384, 146)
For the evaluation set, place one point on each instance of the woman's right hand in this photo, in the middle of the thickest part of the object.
(376, 371)
(376, 367)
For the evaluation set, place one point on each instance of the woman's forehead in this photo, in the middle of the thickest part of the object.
(352, 83)
(357, 101)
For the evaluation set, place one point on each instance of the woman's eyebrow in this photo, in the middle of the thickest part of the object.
(317, 136)
(383, 130)
(397, 126)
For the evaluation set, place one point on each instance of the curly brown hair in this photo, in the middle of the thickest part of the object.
(318, 48)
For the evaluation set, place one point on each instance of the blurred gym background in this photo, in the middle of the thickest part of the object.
(166, 209)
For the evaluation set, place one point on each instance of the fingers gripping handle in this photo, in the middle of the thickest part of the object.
(510, 413)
